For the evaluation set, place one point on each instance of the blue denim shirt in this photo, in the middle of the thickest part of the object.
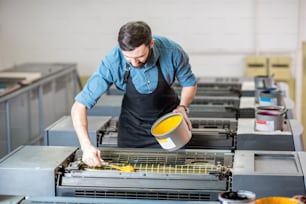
(174, 63)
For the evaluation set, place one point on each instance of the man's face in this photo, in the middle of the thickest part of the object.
(139, 56)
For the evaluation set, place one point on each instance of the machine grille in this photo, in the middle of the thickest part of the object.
(184, 163)
(145, 195)
(187, 163)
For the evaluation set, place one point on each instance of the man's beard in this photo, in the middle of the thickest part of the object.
(142, 64)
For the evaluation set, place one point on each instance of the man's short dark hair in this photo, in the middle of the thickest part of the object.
(134, 34)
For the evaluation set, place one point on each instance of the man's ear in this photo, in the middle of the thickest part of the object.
(152, 43)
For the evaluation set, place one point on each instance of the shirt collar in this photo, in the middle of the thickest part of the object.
(154, 57)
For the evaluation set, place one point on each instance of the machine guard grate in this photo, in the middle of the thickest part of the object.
(145, 195)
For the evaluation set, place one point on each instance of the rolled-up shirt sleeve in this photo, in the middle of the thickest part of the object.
(184, 73)
(95, 87)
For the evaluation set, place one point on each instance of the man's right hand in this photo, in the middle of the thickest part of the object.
(91, 156)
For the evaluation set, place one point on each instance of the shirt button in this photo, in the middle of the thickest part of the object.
(148, 82)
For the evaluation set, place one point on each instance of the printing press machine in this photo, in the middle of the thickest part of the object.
(207, 133)
(10, 199)
(214, 86)
(219, 104)
(289, 138)
(62, 133)
(223, 97)
(223, 86)
(231, 107)
(202, 106)
(220, 97)
(245, 86)
(247, 107)
(185, 175)
(215, 107)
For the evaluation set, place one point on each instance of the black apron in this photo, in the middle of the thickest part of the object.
(140, 111)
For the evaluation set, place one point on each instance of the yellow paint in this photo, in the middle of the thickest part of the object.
(167, 125)
(276, 200)
(127, 168)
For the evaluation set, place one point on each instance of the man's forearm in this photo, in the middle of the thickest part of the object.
(187, 95)
(80, 123)
(91, 155)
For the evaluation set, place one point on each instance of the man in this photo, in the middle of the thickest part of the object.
(144, 67)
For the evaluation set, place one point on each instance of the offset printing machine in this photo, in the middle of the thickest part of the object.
(224, 86)
(248, 105)
(215, 98)
(207, 133)
(202, 106)
(216, 107)
(220, 97)
(185, 175)
(289, 138)
(62, 133)
(245, 85)
(76, 200)
(231, 107)
(210, 133)
(246, 89)
(214, 86)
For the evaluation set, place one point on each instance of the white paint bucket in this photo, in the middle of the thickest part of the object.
(270, 118)
(270, 97)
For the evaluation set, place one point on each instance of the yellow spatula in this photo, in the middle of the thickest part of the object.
(126, 168)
